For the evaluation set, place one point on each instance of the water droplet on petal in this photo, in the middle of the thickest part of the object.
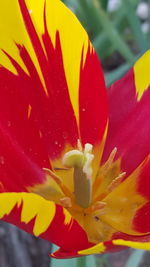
(2, 160)
(9, 123)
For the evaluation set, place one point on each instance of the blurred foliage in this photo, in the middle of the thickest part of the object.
(135, 258)
(117, 36)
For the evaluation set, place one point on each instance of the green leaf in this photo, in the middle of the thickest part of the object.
(135, 258)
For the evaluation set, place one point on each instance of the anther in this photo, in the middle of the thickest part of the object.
(66, 202)
(98, 206)
(56, 178)
(59, 181)
(110, 160)
(116, 182)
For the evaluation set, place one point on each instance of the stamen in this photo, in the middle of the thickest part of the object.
(79, 145)
(99, 205)
(58, 180)
(116, 182)
(110, 160)
(66, 202)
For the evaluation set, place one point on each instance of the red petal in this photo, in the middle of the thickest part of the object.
(17, 170)
(142, 219)
(129, 125)
(92, 100)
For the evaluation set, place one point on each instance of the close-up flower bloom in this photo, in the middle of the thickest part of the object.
(74, 157)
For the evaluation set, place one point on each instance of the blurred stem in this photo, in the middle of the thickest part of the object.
(81, 262)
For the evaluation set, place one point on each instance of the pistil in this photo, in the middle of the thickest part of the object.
(81, 161)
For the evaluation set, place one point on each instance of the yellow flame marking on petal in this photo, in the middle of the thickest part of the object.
(68, 217)
(13, 31)
(131, 244)
(99, 248)
(73, 39)
(141, 72)
(59, 18)
(7, 204)
(34, 207)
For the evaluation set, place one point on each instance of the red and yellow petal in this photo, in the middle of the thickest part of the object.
(132, 244)
(113, 245)
(117, 244)
(43, 218)
(127, 205)
(52, 89)
(129, 124)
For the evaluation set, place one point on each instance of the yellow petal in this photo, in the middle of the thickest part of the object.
(131, 244)
(141, 73)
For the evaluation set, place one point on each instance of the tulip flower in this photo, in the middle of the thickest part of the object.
(74, 159)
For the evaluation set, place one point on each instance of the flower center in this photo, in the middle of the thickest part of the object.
(86, 201)
(88, 204)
